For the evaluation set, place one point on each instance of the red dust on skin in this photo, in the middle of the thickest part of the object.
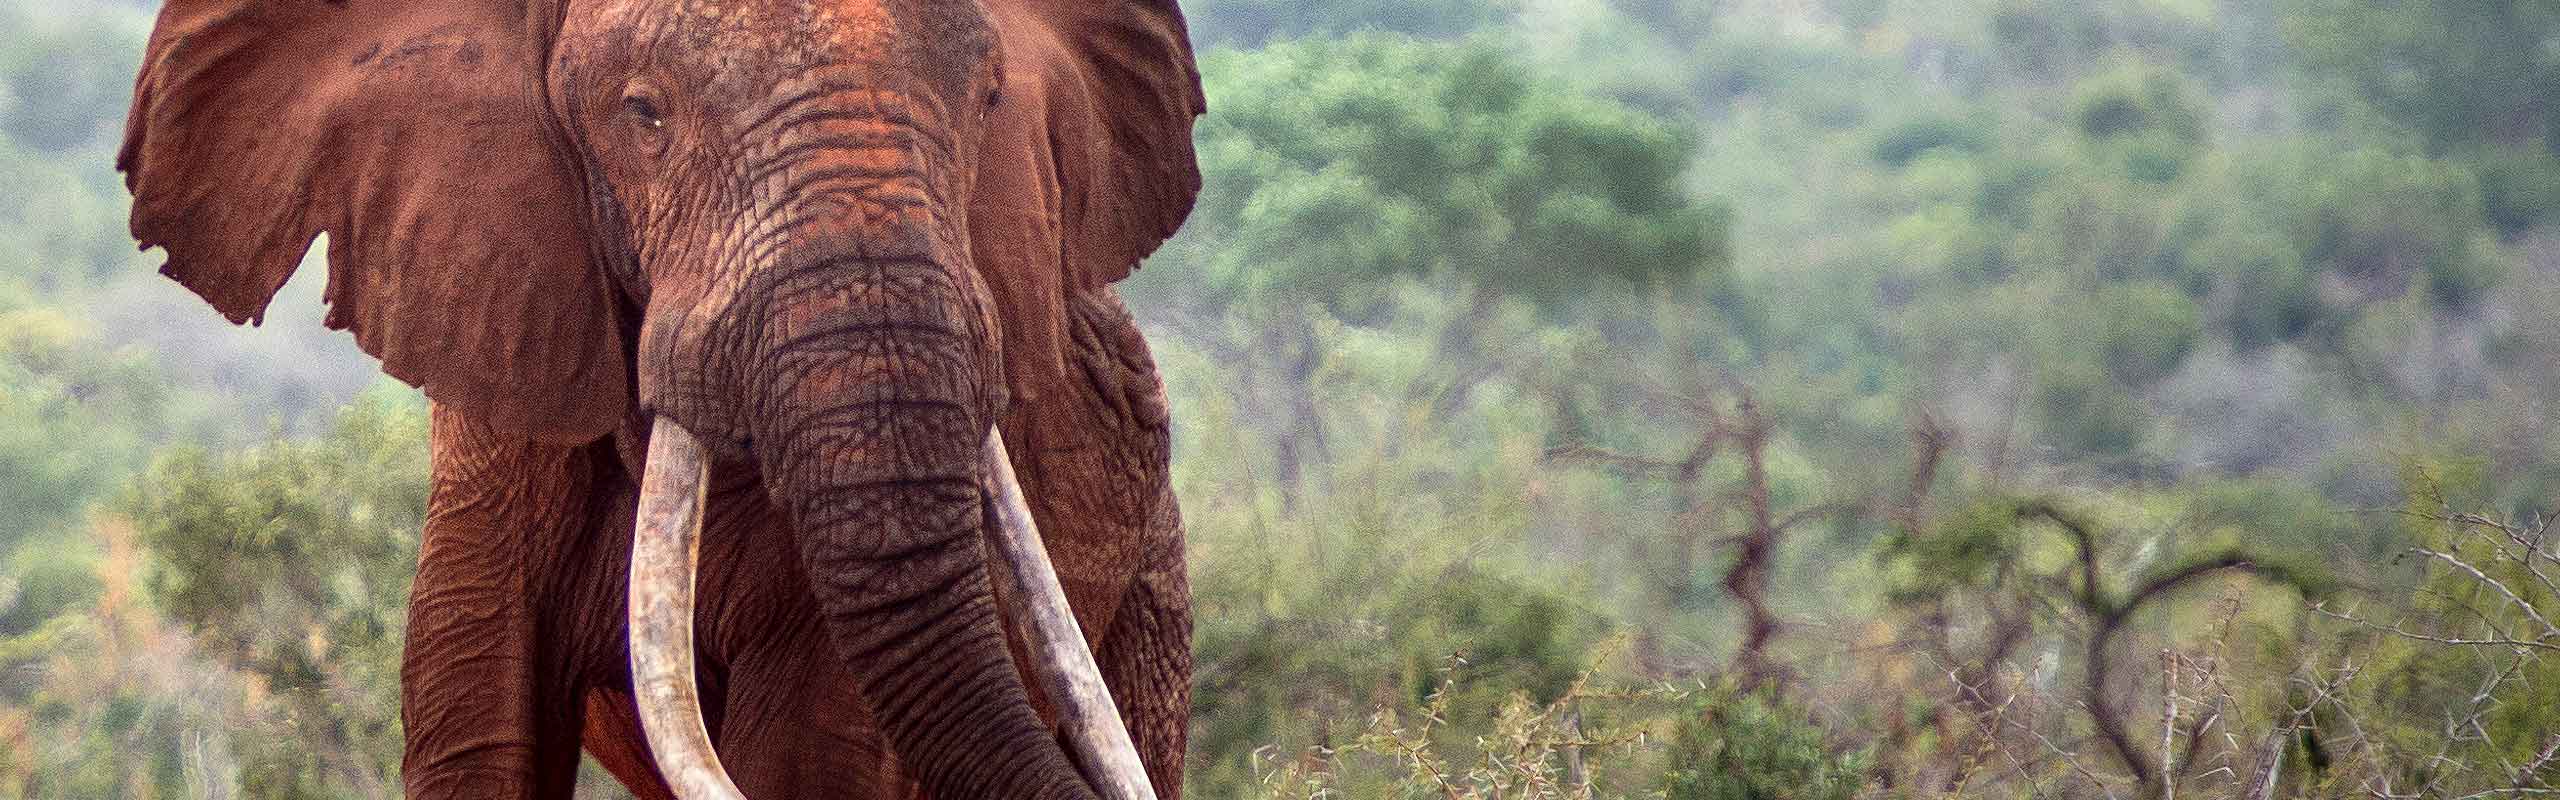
(522, 198)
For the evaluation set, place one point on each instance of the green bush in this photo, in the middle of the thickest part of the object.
(2269, 292)
(2084, 414)
(2144, 329)
(292, 562)
(2134, 101)
(1753, 746)
(2520, 187)
(2147, 120)
(41, 584)
(1907, 141)
(2386, 220)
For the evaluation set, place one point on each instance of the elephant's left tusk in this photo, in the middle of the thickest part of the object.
(664, 553)
(1063, 665)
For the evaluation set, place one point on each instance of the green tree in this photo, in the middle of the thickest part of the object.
(291, 561)
(1336, 165)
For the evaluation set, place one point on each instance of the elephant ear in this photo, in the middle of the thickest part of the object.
(1087, 165)
(414, 134)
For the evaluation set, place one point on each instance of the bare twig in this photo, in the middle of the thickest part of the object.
(2065, 756)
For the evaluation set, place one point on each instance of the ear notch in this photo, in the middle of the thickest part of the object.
(1088, 162)
(413, 134)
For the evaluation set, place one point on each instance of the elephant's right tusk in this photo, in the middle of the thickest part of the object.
(1059, 658)
(664, 553)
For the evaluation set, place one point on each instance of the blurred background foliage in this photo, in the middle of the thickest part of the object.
(1574, 398)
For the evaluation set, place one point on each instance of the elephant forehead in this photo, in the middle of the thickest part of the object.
(795, 32)
(752, 45)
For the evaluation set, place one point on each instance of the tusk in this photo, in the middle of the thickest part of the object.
(664, 555)
(1064, 666)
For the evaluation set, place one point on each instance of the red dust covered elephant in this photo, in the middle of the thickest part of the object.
(777, 267)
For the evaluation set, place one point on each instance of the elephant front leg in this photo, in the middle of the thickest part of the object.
(488, 706)
(481, 714)
(1146, 655)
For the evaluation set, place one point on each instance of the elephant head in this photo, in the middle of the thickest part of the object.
(822, 237)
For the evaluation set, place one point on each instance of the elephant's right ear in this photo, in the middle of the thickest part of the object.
(416, 135)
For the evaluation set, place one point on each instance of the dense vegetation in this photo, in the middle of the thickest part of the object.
(1683, 398)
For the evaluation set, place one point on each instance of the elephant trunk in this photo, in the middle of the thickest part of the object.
(870, 400)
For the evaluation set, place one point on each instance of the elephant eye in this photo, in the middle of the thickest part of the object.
(645, 109)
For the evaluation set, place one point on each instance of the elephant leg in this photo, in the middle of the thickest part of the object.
(1146, 656)
(794, 728)
(614, 738)
(488, 704)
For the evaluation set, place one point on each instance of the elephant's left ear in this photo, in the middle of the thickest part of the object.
(1107, 89)
(417, 136)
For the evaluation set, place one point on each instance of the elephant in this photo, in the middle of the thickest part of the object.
(815, 296)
